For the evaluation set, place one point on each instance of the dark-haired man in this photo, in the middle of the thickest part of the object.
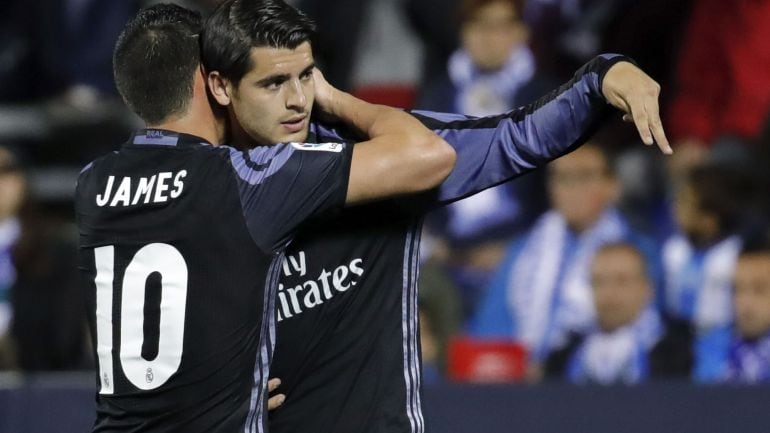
(347, 348)
(739, 352)
(181, 241)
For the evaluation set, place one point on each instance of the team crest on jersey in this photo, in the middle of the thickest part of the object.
(322, 147)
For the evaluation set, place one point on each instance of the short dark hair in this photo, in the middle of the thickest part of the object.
(237, 26)
(723, 191)
(756, 245)
(155, 59)
(628, 246)
(468, 9)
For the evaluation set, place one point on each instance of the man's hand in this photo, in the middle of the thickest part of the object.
(326, 95)
(277, 400)
(632, 91)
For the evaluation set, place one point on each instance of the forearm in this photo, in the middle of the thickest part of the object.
(372, 120)
(494, 149)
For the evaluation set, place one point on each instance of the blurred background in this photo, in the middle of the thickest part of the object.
(616, 290)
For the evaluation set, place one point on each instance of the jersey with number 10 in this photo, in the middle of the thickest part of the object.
(180, 243)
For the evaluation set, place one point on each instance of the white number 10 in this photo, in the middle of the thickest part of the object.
(142, 373)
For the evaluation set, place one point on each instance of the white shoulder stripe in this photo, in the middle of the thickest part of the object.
(319, 147)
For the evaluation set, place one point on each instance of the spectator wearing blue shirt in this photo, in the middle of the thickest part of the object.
(493, 71)
(542, 292)
(699, 261)
(741, 353)
(630, 342)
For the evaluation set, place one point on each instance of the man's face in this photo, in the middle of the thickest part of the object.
(12, 186)
(699, 225)
(580, 187)
(492, 33)
(752, 295)
(620, 285)
(272, 102)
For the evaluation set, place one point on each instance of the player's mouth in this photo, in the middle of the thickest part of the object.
(295, 124)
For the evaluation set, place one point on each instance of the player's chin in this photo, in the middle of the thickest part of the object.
(294, 137)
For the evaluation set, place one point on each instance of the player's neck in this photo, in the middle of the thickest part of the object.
(192, 125)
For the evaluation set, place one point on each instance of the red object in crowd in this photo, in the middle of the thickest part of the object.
(393, 95)
(473, 360)
(723, 74)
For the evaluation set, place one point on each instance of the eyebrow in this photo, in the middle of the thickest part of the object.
(279, 78)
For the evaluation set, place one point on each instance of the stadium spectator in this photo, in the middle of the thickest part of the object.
(541, 291)
(699, 260)
(630, 342)
(723, 88)
(565, 32)
(12, 189)
(40, 306)
(740, 352)
(49, 328)
(492, 72)
(440, 315)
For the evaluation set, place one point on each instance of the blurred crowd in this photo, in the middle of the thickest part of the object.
(612, 265)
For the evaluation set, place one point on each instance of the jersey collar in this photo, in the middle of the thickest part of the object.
(164, 137)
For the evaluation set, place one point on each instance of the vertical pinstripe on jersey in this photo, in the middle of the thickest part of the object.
(416, 321)
(255, 419)
(409, 327)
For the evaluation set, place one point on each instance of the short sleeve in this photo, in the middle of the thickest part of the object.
(283, 185)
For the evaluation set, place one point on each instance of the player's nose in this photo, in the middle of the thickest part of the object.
(296, 97)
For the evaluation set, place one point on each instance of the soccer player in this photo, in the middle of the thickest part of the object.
(181, 241)
(347, 350)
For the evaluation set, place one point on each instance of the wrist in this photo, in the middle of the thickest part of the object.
(609, 62)
(338, 103)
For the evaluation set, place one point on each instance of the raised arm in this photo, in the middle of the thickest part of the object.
(495, 149)
(492, 150)
(401, 155)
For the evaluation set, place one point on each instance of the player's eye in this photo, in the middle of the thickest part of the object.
(306, 75)
(273, 84)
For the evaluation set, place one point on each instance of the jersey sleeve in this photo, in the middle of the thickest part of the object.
(492, 150)
(283, 185)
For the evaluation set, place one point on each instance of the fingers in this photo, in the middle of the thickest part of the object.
(631, 90)
(641, 120)
(273, 384)
(656, 126)
(646, 116)
(275, 401)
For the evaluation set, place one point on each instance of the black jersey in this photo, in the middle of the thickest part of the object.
(180, 247)
(348, 348)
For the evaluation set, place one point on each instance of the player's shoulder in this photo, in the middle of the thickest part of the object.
(257, 164)
(96, 165)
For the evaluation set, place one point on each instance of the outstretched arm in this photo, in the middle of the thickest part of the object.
(492, 150)
(495, 149)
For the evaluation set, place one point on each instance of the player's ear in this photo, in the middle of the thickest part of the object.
(220, 87)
